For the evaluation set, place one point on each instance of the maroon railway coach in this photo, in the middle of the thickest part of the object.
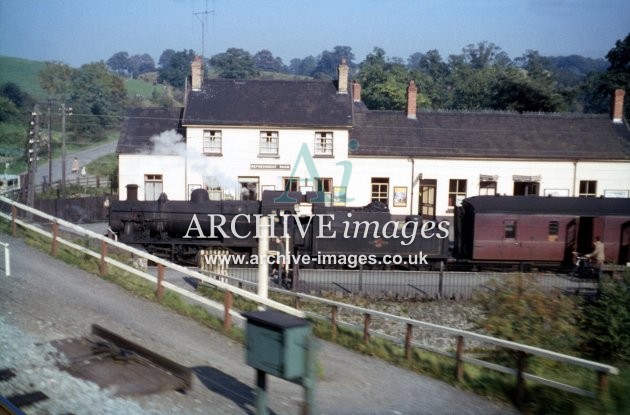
(540, 230)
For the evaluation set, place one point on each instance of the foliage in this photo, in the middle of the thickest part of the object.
(175, 67)
(517, 309)
(598, 87)
(265, 61)
(235, 64)
(606, 322)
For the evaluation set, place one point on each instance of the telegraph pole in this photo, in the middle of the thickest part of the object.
(33, 141)
(63, 148)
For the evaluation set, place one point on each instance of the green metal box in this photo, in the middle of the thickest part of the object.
(276, 343)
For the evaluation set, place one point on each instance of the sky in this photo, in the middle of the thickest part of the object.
(83, 31)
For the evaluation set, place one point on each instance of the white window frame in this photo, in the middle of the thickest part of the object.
(268, 143)
(323, 143)
(153, 182)
(212, 142)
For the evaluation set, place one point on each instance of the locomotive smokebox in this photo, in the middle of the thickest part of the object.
(132, 193)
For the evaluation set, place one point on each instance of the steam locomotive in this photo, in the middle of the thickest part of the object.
(486, 230)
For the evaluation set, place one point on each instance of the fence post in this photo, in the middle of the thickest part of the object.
(521, 364)
(366, 328)
(408, 337)
(102, 267)
(55, 234)
(13, 217)
(333, 321)
(459, 363)
(227, 305)
(159, 292)
(602, 384)
(441, 281)
(297, 302)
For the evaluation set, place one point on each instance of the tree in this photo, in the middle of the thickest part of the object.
(265, 61)
(98, 99)
(177, 69)
(139, 64)
(56, 79)
(165, 58)
(329, 61)
(384, 82)
(304, 67)
(235, 64)
(599, 87)
(119, 63)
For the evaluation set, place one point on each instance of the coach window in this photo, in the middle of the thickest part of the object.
(588, 188)
(554, 228)
(153, 185)
(212, 142)
(509, 227)
(380, 190)
(456, 192)
(268, 143)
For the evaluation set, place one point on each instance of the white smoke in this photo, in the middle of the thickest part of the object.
(171, 143)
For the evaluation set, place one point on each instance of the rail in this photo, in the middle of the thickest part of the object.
(522, 351)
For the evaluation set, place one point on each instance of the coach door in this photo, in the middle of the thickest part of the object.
(624, 248)
(570, 240)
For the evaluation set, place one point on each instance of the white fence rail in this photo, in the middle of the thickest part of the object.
(523, 351)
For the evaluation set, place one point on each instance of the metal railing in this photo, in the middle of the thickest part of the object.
(234, 286)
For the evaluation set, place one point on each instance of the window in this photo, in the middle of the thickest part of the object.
(290, 184)
(211, 142)
(324, 185)
(428, 197)
(509, 226)
(213, 186)
(268, 143)
(323, 144)
(588, 188)
(153, 186)
(380, 190)
(487, 188)
(249, 188)
(554, 228)
(456, 191)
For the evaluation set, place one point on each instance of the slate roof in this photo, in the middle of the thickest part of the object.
(141, 124)
(489, 135)
(268, 103)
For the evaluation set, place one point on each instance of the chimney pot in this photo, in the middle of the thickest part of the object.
(412, 94)
(342, 72)
(617, 105)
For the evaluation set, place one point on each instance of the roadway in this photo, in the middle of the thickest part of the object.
(46, 299)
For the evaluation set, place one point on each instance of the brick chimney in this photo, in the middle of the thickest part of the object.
(342, 72)
(197, 73)
(412, 96)
(617, 106)
(356, 91)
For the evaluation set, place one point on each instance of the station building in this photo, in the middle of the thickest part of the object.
(238, 138)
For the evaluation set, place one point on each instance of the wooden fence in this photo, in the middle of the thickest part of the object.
(216, 280)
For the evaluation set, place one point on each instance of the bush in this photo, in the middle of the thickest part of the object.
(606, 322)
(517, 309)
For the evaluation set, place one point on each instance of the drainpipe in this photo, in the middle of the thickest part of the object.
(413, 174)
(575, 162)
